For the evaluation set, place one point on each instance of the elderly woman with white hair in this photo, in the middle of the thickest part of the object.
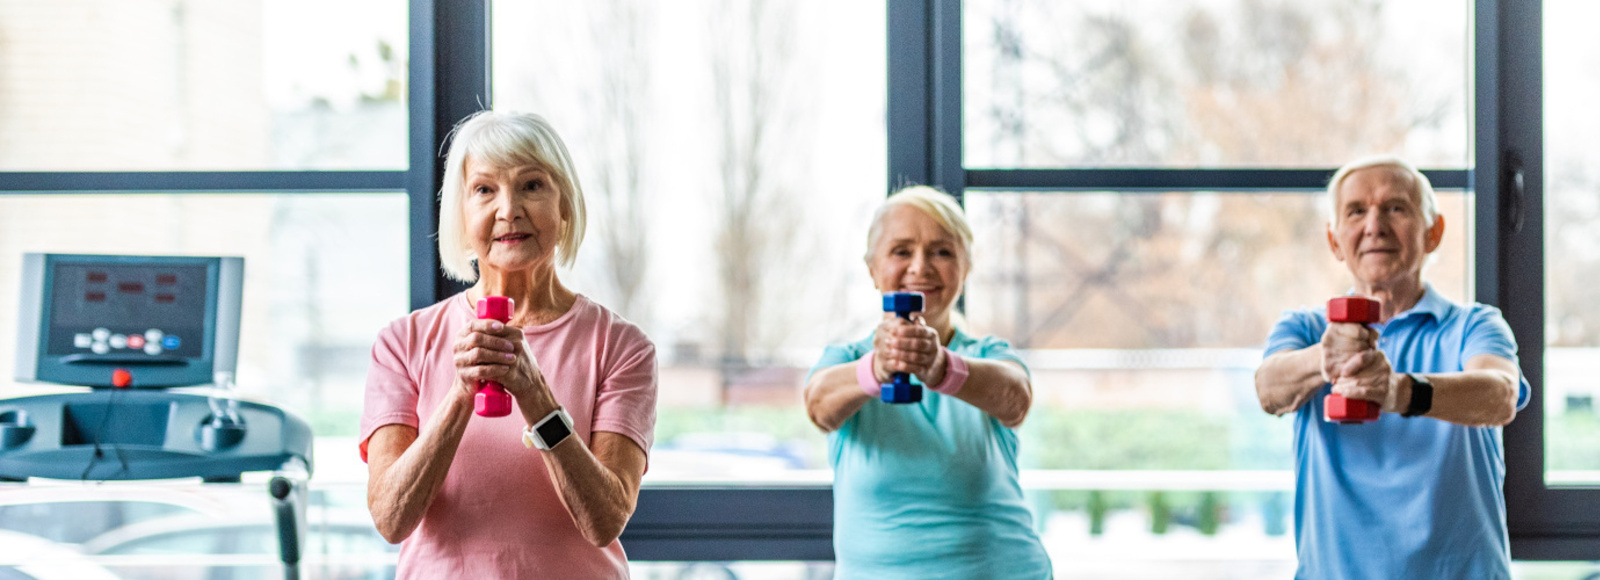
(545, 491)
(928, 489)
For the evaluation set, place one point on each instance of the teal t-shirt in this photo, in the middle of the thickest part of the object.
(929, 490)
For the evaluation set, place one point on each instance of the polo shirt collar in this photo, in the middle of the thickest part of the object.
(1432, 304)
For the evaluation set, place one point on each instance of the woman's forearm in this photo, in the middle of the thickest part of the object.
(600, 487)
(998, 388)
(833, 395)
(408, 469)
(1286, 380)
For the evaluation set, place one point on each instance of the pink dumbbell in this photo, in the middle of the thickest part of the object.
(492, 399)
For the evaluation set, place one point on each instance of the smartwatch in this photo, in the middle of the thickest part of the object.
(549, 431)
(1421, 396)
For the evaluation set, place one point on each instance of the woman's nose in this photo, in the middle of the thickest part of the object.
(919, 260)
(505, 207)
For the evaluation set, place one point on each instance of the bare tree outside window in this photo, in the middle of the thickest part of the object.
(1254, 83)
(753, 64)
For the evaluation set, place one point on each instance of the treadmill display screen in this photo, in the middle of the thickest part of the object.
(127, 310)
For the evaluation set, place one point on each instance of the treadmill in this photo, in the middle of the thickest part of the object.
(129, 328)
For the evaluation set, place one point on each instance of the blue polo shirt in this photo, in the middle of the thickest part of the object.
(930, 490)
(1402, 497)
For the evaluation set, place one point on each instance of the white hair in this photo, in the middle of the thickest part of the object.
(937, 204)
(1399, 170)
(505, 140)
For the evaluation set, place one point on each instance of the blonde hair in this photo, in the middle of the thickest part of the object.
(1399, 170)
(505, 140)
(936, 204)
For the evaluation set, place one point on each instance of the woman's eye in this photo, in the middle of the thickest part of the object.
(534, 185)
(946, 253)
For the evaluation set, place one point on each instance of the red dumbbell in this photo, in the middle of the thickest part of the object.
(492, 399)
(1336, 408)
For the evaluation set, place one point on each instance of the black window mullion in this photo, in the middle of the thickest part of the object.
(449, 79)
(1141, 179)
(728, 524)
(201, 181)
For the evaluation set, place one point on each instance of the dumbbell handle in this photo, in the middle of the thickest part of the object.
(900, 390)
(1336, 408)
(492, 399)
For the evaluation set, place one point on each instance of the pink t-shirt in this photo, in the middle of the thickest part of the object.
(498, 514)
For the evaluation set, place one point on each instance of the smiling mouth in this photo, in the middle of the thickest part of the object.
(511, 238)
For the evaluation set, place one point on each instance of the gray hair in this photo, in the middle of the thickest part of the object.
(937, 204)
(1399, 170)
(505, 140)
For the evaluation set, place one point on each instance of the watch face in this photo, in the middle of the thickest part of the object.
(553, 431)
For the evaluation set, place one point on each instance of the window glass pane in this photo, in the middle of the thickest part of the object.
(323, 273)
(731, 154)
(1279, 83)
(1554, 570)
(1572, 243)
(1142, 317)
(108, 85)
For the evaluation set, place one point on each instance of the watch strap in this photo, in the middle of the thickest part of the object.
(1421, 396)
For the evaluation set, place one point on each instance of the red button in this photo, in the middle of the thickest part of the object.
(121, 378)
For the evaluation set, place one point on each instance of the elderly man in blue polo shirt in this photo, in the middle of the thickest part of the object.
(1417, 493)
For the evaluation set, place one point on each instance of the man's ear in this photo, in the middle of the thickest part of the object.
(1435, 234)
(1333, 244)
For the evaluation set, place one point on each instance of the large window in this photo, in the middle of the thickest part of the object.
(106, 85)
(1138, 173)
(731, 153)
(1572, 246)
(237, 128)
(1158, 83)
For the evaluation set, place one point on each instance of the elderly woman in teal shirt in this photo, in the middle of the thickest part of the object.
(928, 489)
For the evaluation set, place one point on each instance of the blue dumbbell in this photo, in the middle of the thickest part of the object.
(900, 391)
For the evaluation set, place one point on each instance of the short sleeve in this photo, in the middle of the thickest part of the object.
(996, 348)
(391, 396)
(626, 401)
(1488, 333)
(1295, 330)
(835, 355)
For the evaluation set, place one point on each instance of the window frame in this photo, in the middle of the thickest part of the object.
(449, 78)
(1545, 523)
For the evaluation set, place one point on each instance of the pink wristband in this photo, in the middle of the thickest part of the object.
(867, 379)
(955, 373)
